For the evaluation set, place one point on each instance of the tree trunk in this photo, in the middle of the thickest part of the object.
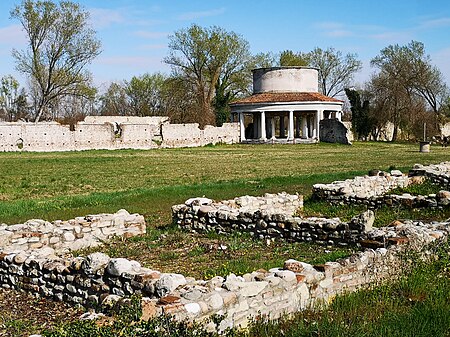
(395, 133)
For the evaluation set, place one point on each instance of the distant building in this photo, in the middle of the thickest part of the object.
(285, 106)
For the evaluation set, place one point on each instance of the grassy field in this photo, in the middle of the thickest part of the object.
(64, 185)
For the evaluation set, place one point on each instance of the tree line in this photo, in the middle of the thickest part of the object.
(210, 67)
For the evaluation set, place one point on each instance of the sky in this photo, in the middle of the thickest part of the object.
(135, 34)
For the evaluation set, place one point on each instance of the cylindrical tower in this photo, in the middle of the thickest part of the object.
(285, 79)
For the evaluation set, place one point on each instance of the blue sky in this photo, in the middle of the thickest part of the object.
(134, 33)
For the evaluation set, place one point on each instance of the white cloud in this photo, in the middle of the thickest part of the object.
(435, 23)
(330, 25)
(151, 35)
(12, 36)
(392, 37)
(189, 16)
(339, 33)
(103, 17)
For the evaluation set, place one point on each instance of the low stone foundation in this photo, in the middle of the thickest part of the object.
(373, 191)
(262, 220)
(63, 236)
(438, 173)
(99, 279)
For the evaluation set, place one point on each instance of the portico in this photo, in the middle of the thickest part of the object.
(285, 107)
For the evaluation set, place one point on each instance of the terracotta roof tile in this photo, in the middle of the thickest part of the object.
(274, 97)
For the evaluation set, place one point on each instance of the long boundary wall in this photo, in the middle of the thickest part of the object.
(109, 132)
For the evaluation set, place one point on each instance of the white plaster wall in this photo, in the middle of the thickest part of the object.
(181, 135)
(445, 129)
(9, 135)
(137, 136)
(46, 137)
(93, 136)
(295, 79)
(228, 133)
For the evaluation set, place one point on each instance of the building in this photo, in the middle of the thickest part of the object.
(285, 106)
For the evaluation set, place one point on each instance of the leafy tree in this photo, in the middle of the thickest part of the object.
(180, 101)
(12, 100)
(144, 94)
(234, 83)
(288, 59)
(212, 61)
(60, 45)
(114, 101)
(361, 121)
(336, 70)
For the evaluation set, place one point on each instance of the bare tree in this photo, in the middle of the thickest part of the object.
(409, 82)
(60, 45)
(336, 70)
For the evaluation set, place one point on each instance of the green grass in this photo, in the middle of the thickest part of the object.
(62, 185)
(207, 255)
(426, 188)
(383, 216)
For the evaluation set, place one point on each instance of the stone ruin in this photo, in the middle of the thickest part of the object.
(110, 133)
(98, 279)
(373, 191)
(269, 217)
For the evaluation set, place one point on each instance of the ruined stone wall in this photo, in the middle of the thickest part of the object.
(190, 135)
(99, 279)
(110, 132)
(264, 219)
(360, 188)
(78, 233)
(45, 137)
(438, 173)
(373, 191)
(334, 131)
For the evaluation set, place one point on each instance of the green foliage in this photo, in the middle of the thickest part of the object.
(12, 100)
(406, 88)
(362, 123)
(145, 94)
(288, 59)
(214, 62)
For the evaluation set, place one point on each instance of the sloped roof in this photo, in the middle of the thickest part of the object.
(283, 97)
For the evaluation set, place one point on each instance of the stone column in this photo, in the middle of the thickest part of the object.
(291, 125)
(319, 114)
(242, 126)
(263, 126)
(305, 126)
(339, 115)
